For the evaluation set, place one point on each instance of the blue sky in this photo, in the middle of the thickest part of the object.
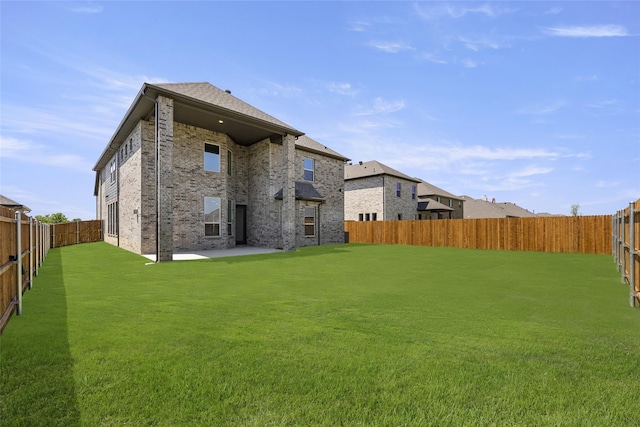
(536, 103)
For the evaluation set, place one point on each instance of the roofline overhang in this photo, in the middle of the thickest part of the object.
(151, 92)
(379, 174)
(323, 153)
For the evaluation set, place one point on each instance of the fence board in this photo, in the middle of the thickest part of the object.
(582, 234)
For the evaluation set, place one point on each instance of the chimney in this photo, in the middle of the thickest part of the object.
(228, 91)
(360, 163)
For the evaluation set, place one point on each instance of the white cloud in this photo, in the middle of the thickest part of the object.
(432, 57)
(482, 42)
(381, 106)
(342, 89)
(26, 151)
(554, 11)
(359, 26)
(459, 11)
(86, 9)
(542, 109)
(390, 47)
(468, 63)
(587, 31)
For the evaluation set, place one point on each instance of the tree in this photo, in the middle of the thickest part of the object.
(575, 209)
(55, 218)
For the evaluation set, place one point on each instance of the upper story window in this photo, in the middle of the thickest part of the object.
(229, 163)
(309, 169)
(413, 192)
(450, 203)
(112, 171)
(211, 157)
(398, 187)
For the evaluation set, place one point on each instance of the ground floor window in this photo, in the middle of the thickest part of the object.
(112, 219)
(309, 221)
(212, 216)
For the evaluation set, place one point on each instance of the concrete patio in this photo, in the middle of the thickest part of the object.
(218, 253)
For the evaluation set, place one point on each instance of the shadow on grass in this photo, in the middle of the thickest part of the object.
(308, 251)
(37, 386)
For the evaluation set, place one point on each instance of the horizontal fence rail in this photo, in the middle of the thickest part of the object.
(23, 247)
(574, 234)
(626, 248)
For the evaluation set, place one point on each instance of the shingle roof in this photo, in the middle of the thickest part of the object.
(304, 191)
(305, 143)
(373, 168)
(432, 205)
(476, 208)
(206, 92)
(427, 189)
(10, 203)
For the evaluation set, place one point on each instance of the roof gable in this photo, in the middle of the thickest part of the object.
(373, 168)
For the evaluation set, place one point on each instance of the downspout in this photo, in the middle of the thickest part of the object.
(384, 194)
(156, 150)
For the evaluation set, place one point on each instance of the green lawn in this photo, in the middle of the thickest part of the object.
(353, 335)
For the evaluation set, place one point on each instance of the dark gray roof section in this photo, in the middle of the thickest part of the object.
(10, 203)
(373, 168)
(304, 191)
(433, 206)
(307, 144)
(426, 189)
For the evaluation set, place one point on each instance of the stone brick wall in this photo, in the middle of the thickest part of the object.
(257, 173)
(130, 193)
(362, 196)
(329, 181)
(147, 188)
(403, 205)
(192, 183)
(377, 194)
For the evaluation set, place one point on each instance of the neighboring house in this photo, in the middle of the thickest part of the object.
(376, 192)
(436, 203)
(9, 203)
(477, 208)
(191, 167)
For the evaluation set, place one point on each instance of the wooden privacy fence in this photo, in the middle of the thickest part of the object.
(23, 248)
(72, 233)
(24, 243)
(575, 234)
(626, 248)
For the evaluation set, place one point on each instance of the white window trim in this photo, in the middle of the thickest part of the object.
(213, 236)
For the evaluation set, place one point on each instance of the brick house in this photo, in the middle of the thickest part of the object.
(376, 192)
(191, 167)
(436, 203)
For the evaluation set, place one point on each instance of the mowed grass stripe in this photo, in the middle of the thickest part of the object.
(337, 335)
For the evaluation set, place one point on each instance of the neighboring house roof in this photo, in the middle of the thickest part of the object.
(433, 206)
(10, 203)
(476, 208)
(426, 189)
(514, 210)
(304, 191)
(373, 168)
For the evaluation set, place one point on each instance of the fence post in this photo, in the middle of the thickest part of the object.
(19, 260)
(632, 254)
